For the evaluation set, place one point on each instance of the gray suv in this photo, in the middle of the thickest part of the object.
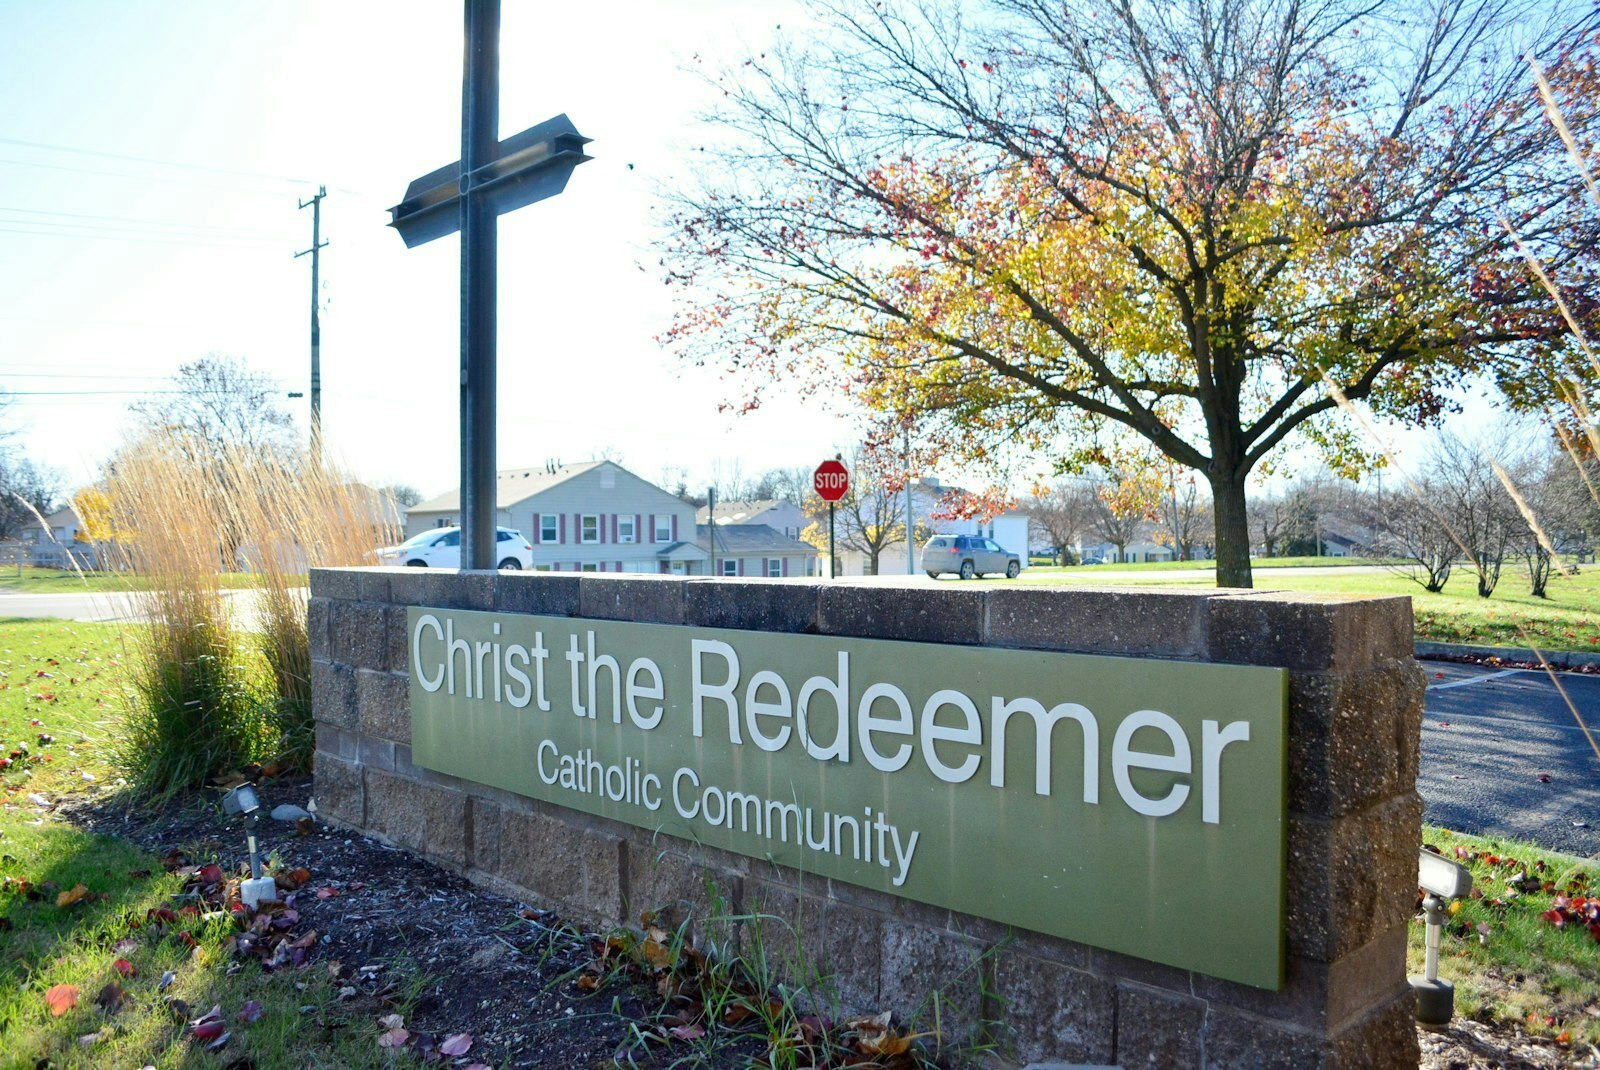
(968, 556)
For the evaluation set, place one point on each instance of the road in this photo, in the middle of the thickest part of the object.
(1502, 753)
(1487, 737)
(100, 606)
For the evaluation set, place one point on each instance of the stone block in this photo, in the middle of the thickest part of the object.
(678, 887)
(333, 694)
(932, 979)
(1158, 1030)
(1141, 971)
(1159, 622)
(372, 584)
(573, 867)
(359, 634)
(941, 614)
(421, 817)
(1051, 1011)
(335, 583)
(1351, 878)
(752, 604)
(340, 793)
(1354, 737)
(383, 705)
(1237, 1042)
(545, 593)
(317, 614)
(408, 586)
(649, 599)
(1320, 995)
(1385, 1036)
(828, 947)
(336, 741)
(450, 588)
(375, 753)
(1301, 630)
(398, 658)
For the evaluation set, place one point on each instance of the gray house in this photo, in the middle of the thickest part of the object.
(590, 517)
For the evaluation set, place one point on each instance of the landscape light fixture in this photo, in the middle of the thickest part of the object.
(1440, 880)
(243, 801)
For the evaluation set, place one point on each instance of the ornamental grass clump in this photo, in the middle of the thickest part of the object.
(215, 542)
(195, 703)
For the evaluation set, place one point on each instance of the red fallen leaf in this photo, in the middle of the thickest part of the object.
(124, 967)
(209, 1025)
(327, 893)
(211, 874)
(61, 999)
(688, 1032)
(251, 1011)
(1544, 778)
(458, 1044)
(394, 1038)
(187, 939)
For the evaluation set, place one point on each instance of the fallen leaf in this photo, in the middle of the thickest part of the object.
(327, 893)
(251, 1011)
(459, 1044)
(392, 1021)
(688, 1032)
(111, 998)
(75, 894)
(61, 999)
(124, 967)
(394, 1038)
(209, 1025)
(220, 1043)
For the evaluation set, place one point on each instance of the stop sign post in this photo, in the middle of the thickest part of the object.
(831, 482)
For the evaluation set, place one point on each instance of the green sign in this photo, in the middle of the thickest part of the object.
(1131, 804)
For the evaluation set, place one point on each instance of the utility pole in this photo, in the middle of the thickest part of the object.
(911, 551)
(315, 204)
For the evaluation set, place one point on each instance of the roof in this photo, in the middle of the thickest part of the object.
(737, 512)
(512, 485)
(750, 539)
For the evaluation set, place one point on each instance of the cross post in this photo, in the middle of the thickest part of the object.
(491, 178)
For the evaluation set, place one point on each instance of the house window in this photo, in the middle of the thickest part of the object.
(442, 522)
(547, 527)
(590, 529)
(663, 531)
(625, 529)
(730, 567)
(774, 566)
(541, 568)
(589, 567)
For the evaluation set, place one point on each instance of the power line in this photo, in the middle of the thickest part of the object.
(136, 178)
(155, 162)
(145, 222)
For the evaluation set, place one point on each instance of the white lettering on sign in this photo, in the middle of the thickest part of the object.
(826, 715)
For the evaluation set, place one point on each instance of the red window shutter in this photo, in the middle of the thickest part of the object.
(652, 530)
(638, 525)
(563, 533)
(536, 529)
(619, 566)
(674, 527)
(613, 527)
(786, 566)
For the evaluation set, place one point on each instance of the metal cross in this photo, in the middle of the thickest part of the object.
(491, 178)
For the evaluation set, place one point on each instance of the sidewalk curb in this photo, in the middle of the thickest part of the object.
(1570, 659)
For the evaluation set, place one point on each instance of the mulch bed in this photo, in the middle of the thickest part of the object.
(509, 974)
(493, 967)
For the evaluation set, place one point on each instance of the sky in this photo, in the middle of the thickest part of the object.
(153, 155)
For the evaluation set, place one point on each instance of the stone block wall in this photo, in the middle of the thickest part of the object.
(1355, 714)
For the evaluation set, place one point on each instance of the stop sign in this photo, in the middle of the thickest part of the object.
(831, 481)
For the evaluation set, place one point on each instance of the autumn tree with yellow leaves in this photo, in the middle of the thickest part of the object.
(1044, 225)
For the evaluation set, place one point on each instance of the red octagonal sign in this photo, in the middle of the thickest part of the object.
(831, 481)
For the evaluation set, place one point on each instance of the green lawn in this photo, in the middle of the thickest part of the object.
(1170, 566)
(1568, 620)
(75, 907)
(1506, 960)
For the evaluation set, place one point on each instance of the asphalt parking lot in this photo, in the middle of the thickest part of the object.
(1502, 753)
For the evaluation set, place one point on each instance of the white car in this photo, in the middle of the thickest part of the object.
(441, 548)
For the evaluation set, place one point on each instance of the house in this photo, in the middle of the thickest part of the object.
(599, 517)
(64, 546)
(1009, 529)
(786, 517)
(755, 550)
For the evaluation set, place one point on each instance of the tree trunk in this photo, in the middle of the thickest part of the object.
(1233, 532)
